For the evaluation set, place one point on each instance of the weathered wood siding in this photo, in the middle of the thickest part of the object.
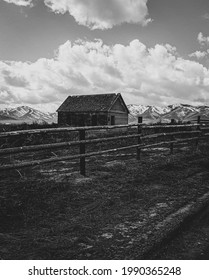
(119, 111)
(120, 118)
(62, 118)
(118, 107)
(82, 119)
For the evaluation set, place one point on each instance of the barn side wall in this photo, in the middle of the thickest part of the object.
(120, 118)
(82, 119)
(119, 112)
(85, 119)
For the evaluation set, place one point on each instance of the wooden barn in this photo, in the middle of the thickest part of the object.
(93, 110)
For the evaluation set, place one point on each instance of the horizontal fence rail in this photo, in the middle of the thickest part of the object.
(64, 158)
(87, 128)
(33, 148)
(196, 135)
(64, 129)
(61, 145)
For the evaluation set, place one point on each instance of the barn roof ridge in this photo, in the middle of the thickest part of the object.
(96, 94)
(90, 102)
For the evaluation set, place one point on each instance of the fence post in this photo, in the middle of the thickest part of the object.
(82, 151)
(139, 131)
(198, 128)
(172, 138)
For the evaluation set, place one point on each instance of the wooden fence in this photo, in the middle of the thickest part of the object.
(194, 131)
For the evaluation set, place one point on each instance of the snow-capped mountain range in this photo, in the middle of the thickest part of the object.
(150, 114)
(179, 112)
(26, 114)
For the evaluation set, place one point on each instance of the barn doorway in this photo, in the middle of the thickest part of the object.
(94, 120)
(112, 120)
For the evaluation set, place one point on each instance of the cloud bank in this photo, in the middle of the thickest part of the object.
(143, 75)
(100, 14)
(97, 14)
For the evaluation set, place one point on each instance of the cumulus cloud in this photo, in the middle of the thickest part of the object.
(100, 14)
(20, 2)
(202, 39)
(155, 75)
(198, 54)
(97, 14)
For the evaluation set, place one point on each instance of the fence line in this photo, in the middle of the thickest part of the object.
(63, 129)
(32, 148)
(61, 145)
(82, 142)
(88, 128)
(84, 155)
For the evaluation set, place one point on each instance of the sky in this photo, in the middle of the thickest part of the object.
(154, 52)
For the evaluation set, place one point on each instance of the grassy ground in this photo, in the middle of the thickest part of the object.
(52, 212)
(191, 242)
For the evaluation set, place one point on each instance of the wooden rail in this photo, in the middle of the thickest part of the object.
(80, 156)
(83, 142)
(32, 148)
(63, 129)
(61, 145)
(87, 128)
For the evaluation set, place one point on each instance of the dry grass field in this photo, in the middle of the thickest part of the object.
(52, 212)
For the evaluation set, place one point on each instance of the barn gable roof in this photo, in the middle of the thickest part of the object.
(90, 103)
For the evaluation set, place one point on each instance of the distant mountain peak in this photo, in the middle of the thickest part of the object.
(179, 112)
(26, 114)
